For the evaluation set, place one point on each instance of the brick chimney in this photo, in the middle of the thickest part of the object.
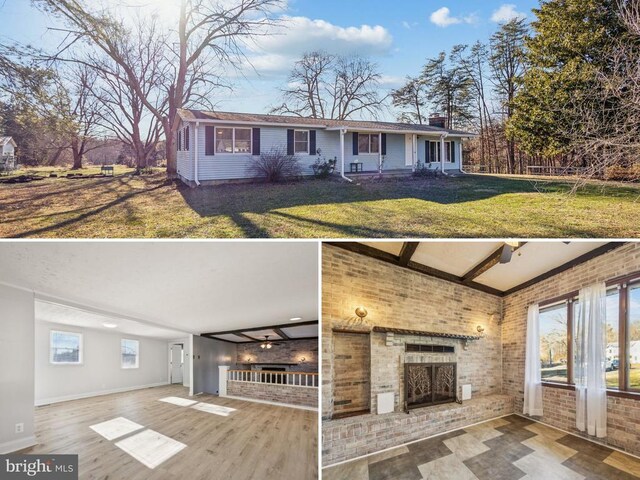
(437, 120)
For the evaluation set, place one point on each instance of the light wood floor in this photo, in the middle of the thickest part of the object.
(258, 441)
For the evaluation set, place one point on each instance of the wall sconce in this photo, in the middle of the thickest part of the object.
(361, 312)
(248, 359)
(480, 330)
(302, 359)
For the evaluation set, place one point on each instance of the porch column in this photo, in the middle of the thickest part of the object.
(342, 134)
(442, 153)
(222, 380)
(414, 153)
(380, 153)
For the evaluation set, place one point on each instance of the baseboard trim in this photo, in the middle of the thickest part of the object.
(67, 398)
(16, 445)
(414, 441)
(277, 404)
(579, 436)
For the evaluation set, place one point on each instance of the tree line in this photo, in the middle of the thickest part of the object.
(562, 91)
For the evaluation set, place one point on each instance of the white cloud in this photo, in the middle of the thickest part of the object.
(506, 13)
(278, 49)
(442, 18)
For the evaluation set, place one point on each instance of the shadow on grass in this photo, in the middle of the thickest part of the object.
(88, 212)
(263, 198)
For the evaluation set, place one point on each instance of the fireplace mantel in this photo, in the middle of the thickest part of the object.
(421, 333)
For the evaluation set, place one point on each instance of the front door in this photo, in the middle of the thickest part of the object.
(176, 363)
(408, 150)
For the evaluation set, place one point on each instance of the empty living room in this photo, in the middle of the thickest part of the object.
(160, 360)
(491, 360)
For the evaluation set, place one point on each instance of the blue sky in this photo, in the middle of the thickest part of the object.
(399, 38)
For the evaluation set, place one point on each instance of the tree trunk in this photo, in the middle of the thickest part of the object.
(77, 156)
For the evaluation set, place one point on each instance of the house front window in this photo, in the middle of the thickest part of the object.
(233, 140)
(368, 143)
(449, 152)
(301, 141)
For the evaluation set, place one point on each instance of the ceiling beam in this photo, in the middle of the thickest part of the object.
(368, 251)
(281, 333)
(255, 329)
(488, 263)
(260, 341)
(566, 266)
(408, 249)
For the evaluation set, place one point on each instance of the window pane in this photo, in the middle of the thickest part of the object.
(375, 144)
(447, 152)
(65, 347)
(301, 143)
(129, 353)
(301, 135)
(363, 143)
(613, 337)
(553, 343)
(634, 336)
(243, 140)
(224, 140)
(435, 151)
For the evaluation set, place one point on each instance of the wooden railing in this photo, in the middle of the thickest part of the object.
(295, 379)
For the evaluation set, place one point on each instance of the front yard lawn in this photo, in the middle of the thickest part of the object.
(471, 206)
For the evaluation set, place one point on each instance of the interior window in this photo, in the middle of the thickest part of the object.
(65, 347)
(553, 343)
(129, 353)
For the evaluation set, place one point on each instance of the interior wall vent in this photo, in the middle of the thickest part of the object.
(412, 347)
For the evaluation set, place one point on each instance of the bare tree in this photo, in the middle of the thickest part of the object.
(211, 36)
(411, 100)
(328, 86)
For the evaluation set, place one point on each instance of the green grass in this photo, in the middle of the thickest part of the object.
(634, 377)
(472, 206)
(63, 171)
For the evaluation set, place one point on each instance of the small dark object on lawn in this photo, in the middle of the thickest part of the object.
(53, 175)
(22, 179)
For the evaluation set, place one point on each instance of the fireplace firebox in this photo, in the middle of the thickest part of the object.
(429, 384)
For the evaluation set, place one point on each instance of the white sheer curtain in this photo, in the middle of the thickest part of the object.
(590, 365)
(532, 378)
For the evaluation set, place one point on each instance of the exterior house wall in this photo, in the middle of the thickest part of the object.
(397, 297)
(623, 422)
(235, 166)
(8, 149)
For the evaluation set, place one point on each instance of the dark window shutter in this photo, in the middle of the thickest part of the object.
(256, 141)
(179, 140)
(355, 143)
(290, 150)
(312, 142)
(427, 148)
(384, 144)
(209, 140)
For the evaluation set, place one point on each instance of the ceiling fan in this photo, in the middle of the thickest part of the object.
(267, 343)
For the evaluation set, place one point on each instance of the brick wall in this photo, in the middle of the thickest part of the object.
(397, 297)
(623, 424)
(302, 396)
(285, 352)
(352, 372)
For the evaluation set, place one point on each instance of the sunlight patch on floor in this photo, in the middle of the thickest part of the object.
(150, 448)
(182, 402)
(216, 409)
(115, 428)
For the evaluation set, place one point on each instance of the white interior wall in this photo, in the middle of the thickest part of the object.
(16, 376)
(100, 373)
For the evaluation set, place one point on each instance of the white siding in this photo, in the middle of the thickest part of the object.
(185, 165)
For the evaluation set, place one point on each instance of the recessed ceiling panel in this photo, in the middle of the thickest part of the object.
(261, 334)
(532, 260)
(232, 338)
(393, 248)
(303, 331)
(453, 257)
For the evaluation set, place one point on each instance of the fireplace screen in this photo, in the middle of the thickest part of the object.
(429, 384)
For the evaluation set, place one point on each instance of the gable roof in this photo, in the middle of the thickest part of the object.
(5, 140)
(190, 115)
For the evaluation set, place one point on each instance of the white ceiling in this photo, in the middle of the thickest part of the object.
(458, 257)
(195, 287)
(77, 317)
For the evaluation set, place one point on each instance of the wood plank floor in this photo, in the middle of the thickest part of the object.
(258, 441)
